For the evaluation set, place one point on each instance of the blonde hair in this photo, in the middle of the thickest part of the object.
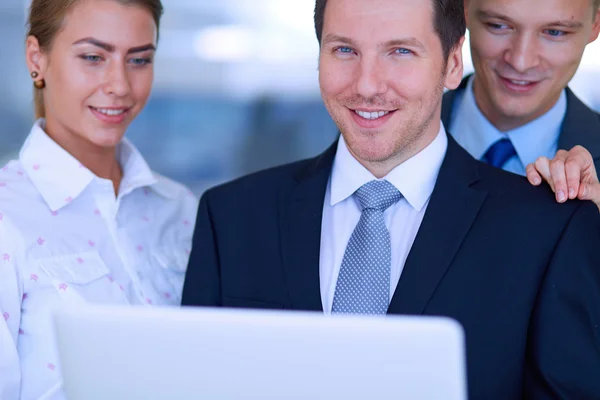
(46, 18)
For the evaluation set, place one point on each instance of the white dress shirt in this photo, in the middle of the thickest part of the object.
(65, 238)
(415, 179)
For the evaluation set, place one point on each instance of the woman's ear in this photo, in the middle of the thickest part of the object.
(37, 60)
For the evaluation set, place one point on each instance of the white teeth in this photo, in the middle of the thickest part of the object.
(110, 112)
(372, 115)
(521, 83)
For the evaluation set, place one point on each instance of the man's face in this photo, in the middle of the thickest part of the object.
(382, 72)
(525, 52)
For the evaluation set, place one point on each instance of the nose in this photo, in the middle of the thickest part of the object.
(370, 81)
(523, 53)
(117, 80)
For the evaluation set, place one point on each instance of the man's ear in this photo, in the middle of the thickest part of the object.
(595, 27)
(455, 67)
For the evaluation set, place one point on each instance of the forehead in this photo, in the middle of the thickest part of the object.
(529, 12)
(110, 22)
(378, 20)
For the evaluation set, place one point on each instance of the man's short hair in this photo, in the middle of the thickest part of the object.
(448, 19)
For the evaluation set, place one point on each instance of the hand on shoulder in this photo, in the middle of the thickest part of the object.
(571, 175)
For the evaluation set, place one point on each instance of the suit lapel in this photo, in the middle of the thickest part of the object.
(580, 127)
(301, 208)
(452, 210)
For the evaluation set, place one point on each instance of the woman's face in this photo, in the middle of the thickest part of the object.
(98, 73)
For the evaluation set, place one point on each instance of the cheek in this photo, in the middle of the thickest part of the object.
(414, 84)
(487, 50)
(565, 61)
(335, 78)
(409, 84)
(141, 84)
(72, 84)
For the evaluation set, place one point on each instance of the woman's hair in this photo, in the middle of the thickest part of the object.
(46, 18)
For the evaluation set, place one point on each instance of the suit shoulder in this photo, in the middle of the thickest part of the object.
(516, 190)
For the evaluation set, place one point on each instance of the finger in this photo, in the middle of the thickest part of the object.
(586, 164)
(590, 191)
(533, 175)
(542, 166)
(573, 170)
(559, 177)
(561, 155)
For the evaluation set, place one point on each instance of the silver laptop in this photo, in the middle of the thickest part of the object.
(159, 353)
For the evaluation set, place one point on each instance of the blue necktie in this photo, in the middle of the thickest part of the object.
(499, 153)
(363, 285)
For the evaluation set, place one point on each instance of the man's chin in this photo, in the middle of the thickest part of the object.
(521, 112)
(512, 108)
(371, 152)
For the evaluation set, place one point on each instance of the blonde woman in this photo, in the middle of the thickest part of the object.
(83, 219)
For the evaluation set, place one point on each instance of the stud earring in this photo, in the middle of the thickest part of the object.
(38, 84)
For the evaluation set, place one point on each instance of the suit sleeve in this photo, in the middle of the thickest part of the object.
(202, 286)
(563, 357)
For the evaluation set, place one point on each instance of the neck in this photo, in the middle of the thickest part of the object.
(500, 121)
(104, 166)
(381, 168)
(101, 161)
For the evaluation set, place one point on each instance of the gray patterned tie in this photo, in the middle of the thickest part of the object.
(363, 286)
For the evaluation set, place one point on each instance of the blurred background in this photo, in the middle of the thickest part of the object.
(235, 90)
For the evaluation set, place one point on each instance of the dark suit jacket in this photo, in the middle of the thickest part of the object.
(581, 125)
(519, 271)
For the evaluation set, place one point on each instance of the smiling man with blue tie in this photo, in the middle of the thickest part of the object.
(517, 106)
(396, 218)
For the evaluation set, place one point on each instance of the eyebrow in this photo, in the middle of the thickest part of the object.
(409, 41)
(490, 14)
(567, 24)
(337, 38)
(561, 23)
(110, 48)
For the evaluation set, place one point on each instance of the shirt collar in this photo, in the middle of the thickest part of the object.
(137, 174)
(530, 140)
(60, 178)
(415, 178)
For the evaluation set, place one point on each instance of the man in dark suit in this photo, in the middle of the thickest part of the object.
(396, 218)
(525, 53)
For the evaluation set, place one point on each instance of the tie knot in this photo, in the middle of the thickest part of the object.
(499, 153)
(378, 195)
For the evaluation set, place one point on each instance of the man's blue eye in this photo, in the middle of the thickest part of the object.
(497, 26)
(555, 32)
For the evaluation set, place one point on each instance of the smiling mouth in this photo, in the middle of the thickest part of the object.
(371, 115)
(111, 112)
(520, 83)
